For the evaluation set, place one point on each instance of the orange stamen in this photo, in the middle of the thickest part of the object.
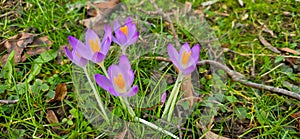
(185, 57)
(95, 45)
(124, 30)
(119, 81)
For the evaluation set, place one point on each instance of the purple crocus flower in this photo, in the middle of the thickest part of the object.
(120, 79)
(94, 50)
(187, 58)
(125, 34)
(163, 98)
(74, 56)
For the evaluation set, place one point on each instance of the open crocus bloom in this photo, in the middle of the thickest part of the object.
(125, 34)
(75, 57)
(187, 58)
(120, 79)
(94, 50)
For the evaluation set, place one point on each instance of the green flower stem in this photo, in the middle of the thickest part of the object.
(172, 99)
(137, 119)
(96, 94)
(101, 64)
(126, 105)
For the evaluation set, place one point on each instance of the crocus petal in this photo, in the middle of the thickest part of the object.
(132, 91)
(124, 64)
(185, 47)
(68, 53)
(91, 36)
(195, 52)
(121, 37)
(98, 57)
(105, 45)
(111, 71)
(132, 40)
(173, 54)
(112, 91)
(103, 82)
(80, 47)
(108, 32)
(116, 25)
(115, 40)
(163, 97)
(80, 61)
(172, 51)
(189, 69)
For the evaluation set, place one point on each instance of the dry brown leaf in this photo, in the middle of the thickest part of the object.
(297, 116)
(17, 43)
(95, 11)
(20, 44)
(267, 44)
(290, 51)
(51, 117)
(187, 88)
(60, 93)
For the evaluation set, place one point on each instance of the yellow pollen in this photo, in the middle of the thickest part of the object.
(185, 57)
(124, 30)
(119, 81)
(94, 44)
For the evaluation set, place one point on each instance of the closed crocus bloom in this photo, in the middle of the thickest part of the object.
(74, 56)
(187, 58)
(125, 34)
(163, 97)
(120, 79)
(95, 49)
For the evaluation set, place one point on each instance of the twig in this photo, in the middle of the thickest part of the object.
(238, 77)
(9, 101)
(166, 17)
(270, 55)
(235, 76)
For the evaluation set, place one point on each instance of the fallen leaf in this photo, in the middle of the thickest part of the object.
(17, 43)
(25, 43)
(290, 51)
(60, 93)
(51, 117)
(267, 44)
(96, 11)
(187, 88)
(297, 116)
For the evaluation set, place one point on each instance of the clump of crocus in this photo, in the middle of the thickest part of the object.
(74, 56)
(125, 34)
(120, 79)
(186, 61)
(95, 49)
(187, 58)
